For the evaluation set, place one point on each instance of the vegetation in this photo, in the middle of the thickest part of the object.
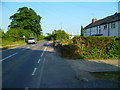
(9, 44)
(82, 31)
(92, 47)
(24, 23)
(58, 35)
(114, 76)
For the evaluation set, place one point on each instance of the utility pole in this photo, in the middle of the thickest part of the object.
(61, 25)
(119, 6)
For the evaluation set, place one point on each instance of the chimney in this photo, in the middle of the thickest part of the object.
(94, 20)
(116, 13)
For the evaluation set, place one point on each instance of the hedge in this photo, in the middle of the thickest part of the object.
(93, 47)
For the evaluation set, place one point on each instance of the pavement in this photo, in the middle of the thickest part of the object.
(83, 68)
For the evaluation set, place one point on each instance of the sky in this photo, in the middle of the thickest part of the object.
(68, 16)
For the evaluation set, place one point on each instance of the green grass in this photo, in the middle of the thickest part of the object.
(114, 76)
(9, 44)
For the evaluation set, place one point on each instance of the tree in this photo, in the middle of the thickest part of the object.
(82, 31)
(27, 21)
(57, 35)
(60, 35)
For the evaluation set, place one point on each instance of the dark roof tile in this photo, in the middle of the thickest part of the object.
(109, 19)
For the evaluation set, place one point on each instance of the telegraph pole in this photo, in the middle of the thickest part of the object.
(119, 6)
(61, 25)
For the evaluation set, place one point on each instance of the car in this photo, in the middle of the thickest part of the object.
(32, 40)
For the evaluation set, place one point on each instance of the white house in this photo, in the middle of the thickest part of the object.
(108, 26)
(72, 35)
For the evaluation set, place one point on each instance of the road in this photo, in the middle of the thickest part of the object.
(39, 66)
(31, 66)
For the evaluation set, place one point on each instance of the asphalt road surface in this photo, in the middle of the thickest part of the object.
(29, 67)
(36, 66)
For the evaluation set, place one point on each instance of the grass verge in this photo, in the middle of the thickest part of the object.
(113, 76)
(9, 44)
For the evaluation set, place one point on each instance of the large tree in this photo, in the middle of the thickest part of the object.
(26, 21)
(60, 35)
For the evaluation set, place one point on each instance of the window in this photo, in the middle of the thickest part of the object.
(113, 25)
(99, 29)
(105, 26)
(84, 31)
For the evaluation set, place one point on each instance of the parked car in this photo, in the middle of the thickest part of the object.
(32, 40)
(55, 43)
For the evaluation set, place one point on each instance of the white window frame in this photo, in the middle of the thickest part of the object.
(105, 27)
(113, 25)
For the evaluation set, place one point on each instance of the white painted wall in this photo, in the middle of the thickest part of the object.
(118, 28)
(87, 32)
(104, 31)
(93, 30)
(112, 31)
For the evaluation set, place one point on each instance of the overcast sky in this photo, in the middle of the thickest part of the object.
(56, 15)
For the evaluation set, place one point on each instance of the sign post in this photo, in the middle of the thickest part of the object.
(24, 37)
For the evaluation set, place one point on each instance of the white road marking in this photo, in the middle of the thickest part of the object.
(41, 72)
(8, 57)
(43, 51)
(34, 71)
(28, 47)
(38, 61)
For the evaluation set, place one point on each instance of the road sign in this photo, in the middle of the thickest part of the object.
(24, 36)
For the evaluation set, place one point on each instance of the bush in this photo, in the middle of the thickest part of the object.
(93, 47)
(71, 51)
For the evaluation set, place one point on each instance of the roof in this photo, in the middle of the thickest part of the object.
(109, 19)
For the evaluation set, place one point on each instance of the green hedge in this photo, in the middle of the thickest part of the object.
(93, 47)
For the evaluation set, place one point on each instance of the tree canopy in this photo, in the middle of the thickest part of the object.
(82, 31)
(25, 22)
(58, 35)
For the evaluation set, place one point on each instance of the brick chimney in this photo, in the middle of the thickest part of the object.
(94, 20)
(116, 13)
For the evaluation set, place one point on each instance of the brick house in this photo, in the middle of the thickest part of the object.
(108, 26)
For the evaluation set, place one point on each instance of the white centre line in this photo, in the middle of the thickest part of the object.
(8, 57)
(41, 72)
(43, 51)
(34, 71)
(38, 61)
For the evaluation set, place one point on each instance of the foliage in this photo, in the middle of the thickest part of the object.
(6, 44)
(24, 22)
(58, 35)
(82, 31)
(71, 51)
(1, 33)
(114, 76)
(93, 47)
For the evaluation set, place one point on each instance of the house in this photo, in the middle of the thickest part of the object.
(108, 26)
(72, 35)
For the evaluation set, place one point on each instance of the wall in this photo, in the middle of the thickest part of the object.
(112, 31)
